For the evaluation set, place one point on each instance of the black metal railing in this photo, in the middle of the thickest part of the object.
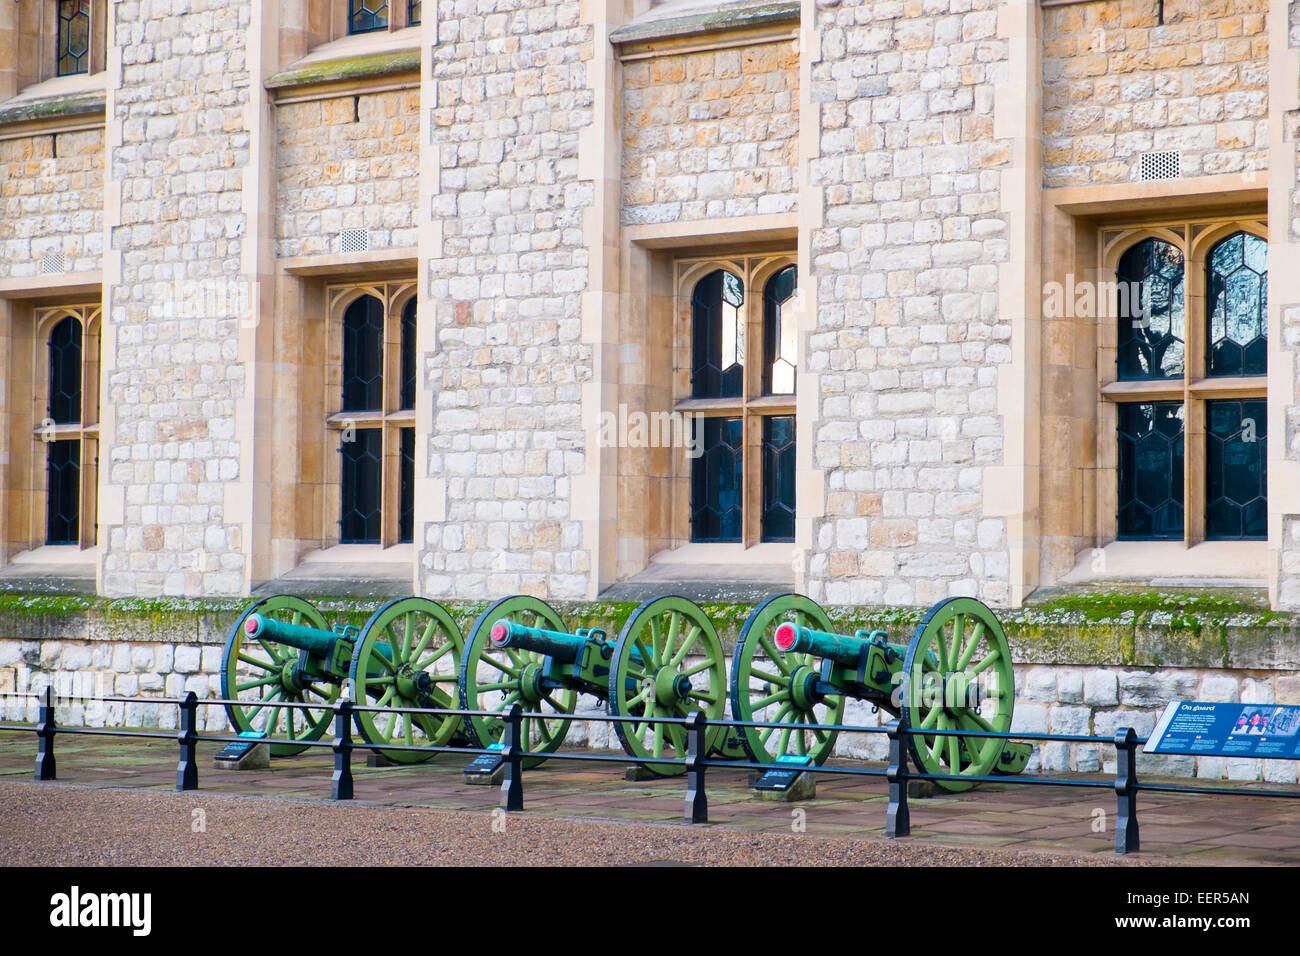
(513, 751)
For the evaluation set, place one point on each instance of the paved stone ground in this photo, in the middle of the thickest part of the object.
(844, 823)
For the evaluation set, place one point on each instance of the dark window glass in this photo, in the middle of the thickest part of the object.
(73, 37)
(63, 492)
(406, 512)
(1151, 470)
(367, 15)
(361, 486)
(408, 355)
(718, 336)
(1237, 306)
(1151, 318)
(1236, 453)
(778, 478)
(779, 334)
(716, 480)
(65, 372)
(363, 355)
(413, 12)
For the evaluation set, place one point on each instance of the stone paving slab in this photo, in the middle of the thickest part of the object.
(1175, 828)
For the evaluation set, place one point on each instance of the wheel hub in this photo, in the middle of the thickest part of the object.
(530, 684)
(803, 688)
(670, 687)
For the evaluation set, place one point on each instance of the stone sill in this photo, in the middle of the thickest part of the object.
(348, 68)
(1227, 639)
(87, 108)
(714, 18)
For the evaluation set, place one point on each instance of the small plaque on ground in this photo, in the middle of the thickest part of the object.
(783, 776)
(1227, 730)
(235, 751)
(485, 767)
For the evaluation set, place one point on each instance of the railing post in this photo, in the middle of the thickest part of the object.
(187, 771)
(512, 786)
(342, 783)
(45, 737)
(1126, 788)
(898, 822)
(697, 750)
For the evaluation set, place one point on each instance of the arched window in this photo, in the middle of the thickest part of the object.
(73, 37)
(743, 359)
(377, 414)
(363, 352)
(718, 352)
(69, 433)
(1236, 278)
(779, 334)
(1151, 312)
(65, 371)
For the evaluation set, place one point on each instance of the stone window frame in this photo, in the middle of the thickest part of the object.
(86, 431)
(31, 46)
(1194, 237)
(391, 418)
(755, 269)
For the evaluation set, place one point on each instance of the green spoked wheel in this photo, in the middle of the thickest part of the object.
(667, 662)
(493, 678)
(408, 655)
(769, 684)
(957, 676)
(264, 673)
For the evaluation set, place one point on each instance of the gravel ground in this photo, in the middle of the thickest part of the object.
(66, 824)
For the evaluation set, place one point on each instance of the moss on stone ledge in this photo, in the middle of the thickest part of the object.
(54, 107)
(1104, 628)
(348, 68)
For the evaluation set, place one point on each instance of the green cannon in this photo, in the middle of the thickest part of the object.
(666, 662)
(791, 668)
(406, 655)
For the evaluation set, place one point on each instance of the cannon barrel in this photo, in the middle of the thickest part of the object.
(310, 639)
(565, 648)
(838, 647)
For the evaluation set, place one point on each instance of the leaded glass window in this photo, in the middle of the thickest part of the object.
(718, 348)
(413, 12)
(363, 355)
(780, 331)
(1236, 457)
(406, 494)
(717, 481)
(73, 37)
(1151, 470)
(362, 454)
(778, 478)
(367, 15)
(1237, 306)
(65, 371)
(1151, 312)
(63, 492)
(407, 399)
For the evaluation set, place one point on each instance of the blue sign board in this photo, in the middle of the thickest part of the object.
(1227, 730)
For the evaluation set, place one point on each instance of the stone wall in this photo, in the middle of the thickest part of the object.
(1117, 84)
(711, 134)
(507, 378)
(51, 201)
(347, 163)
(907, 340)
(175, 379)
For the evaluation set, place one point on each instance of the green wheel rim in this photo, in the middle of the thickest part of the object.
(252, 670)
(403, 640)
(761, 678)
(668, 662)
(491, 678)
(958, 676)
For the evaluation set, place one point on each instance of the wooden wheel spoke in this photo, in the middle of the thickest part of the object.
(774, 656)
(254, 662)
(691, 638)
(770, 699)
(779, 681)
(968, 651)
(249, 685)
(703, 665)
(988, 661)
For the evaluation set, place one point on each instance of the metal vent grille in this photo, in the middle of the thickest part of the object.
(1162, 164)
(354, 240)
(54, 262)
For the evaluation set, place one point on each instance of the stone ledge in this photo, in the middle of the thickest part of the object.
(727, 16)
(55, 108)
(348, 68)
(1226, 638)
